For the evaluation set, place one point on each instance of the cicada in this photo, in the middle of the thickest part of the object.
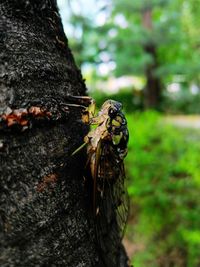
(106, 149)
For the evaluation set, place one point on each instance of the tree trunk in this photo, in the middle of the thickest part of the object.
(44, 218)
(153, 87)
(153, 84)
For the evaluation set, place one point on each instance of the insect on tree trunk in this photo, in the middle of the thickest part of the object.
(44, 218)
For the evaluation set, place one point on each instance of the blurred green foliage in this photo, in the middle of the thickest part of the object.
(182, 102)
(120, 39)
(164, 182)
(178, 103)
(132, 100)
(163, 160)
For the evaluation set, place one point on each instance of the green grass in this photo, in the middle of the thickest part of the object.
(163, 169)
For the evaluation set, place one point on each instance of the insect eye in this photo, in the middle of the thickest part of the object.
(112, 112)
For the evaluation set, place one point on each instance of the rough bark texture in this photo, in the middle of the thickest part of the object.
(44, 219)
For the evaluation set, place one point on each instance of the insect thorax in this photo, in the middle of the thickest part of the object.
(117, 128)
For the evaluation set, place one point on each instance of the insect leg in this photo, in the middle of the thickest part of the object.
(86, 103)
(95, 173)
(78, 149)
(82, 100)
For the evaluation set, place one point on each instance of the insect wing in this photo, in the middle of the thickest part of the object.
(111, 197)
(96, 169)
(121, 200)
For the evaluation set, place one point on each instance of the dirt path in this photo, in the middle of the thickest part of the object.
(185, 121)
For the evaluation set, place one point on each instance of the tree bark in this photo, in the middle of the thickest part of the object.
(44, 218)
(153, 88)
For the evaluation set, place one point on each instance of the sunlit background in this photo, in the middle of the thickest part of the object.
(146, 54)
